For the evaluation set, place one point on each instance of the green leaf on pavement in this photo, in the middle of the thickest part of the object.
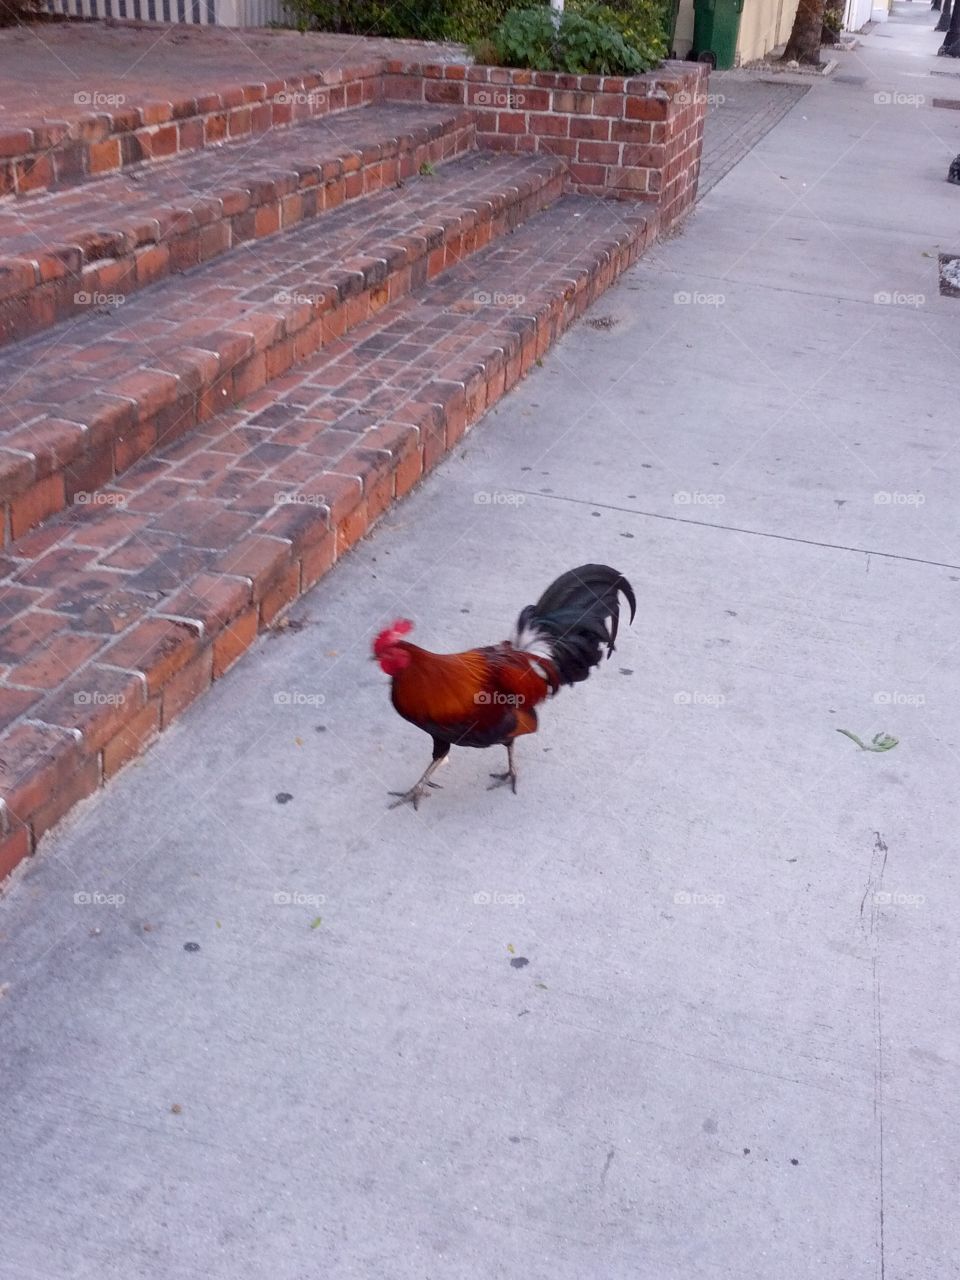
(879, 741)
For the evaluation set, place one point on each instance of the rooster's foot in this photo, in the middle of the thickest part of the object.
(502, 778)
(414, 795)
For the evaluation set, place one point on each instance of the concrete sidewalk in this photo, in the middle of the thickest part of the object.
(682, 1007)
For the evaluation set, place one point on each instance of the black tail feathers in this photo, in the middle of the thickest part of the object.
(575, 618)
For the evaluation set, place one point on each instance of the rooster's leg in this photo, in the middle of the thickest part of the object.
(419, 788)
(510, 776)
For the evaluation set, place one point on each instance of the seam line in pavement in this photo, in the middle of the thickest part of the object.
(733, 528)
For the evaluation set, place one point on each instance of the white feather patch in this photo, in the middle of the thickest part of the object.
(533, 641)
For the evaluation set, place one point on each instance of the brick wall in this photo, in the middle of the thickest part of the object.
(637, 138)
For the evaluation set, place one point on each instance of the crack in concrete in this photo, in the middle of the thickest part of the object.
(733, 528)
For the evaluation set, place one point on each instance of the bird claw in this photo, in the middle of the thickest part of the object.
(414, 795)
(502, 778)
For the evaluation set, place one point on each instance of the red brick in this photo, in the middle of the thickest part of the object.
(40, 501)
(148, 389)
(317, 560)
(234, 640)
(56, 662)
(259, 558)
(647, 108)
(187, 685)
(550, 125)
(50, 441)
(190, 135)
(13, 703)
(511, 122)
(102, 157)
(14, 848)
(131, 739)
(587, 127)
(159, 142)
(155, 647)
(16, 276)
(281, 593)
(598, 152)
(644, 157)
(33, 760)
(33, 173)
(152, 263)
(16, 142)
(211, 600)
(65, 794)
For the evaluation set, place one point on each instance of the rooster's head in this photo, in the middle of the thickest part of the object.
(389, 649)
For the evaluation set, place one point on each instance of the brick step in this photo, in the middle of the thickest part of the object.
(71, 249)
(89, 400)
(120, 612)
(40, 155)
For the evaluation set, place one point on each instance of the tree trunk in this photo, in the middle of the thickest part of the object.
(804, 42)
(944, 23)
(832, 21)
(951, 41)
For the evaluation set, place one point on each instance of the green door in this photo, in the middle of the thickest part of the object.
(716, 26)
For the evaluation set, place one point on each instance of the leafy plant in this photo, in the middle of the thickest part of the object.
(576, 41)
(644, 24)
(425, 20)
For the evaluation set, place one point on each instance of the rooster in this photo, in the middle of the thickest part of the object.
(488, 697)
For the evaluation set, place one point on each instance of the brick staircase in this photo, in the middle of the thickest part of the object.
(220, 370)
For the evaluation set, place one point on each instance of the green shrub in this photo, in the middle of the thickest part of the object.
(644, 24)
(416, 20)
(581, 43)
(615, 37)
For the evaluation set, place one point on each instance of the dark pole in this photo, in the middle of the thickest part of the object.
(935, 4)
(944, 23)
(951, 41)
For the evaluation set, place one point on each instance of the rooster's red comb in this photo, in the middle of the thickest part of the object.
(389, 637)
